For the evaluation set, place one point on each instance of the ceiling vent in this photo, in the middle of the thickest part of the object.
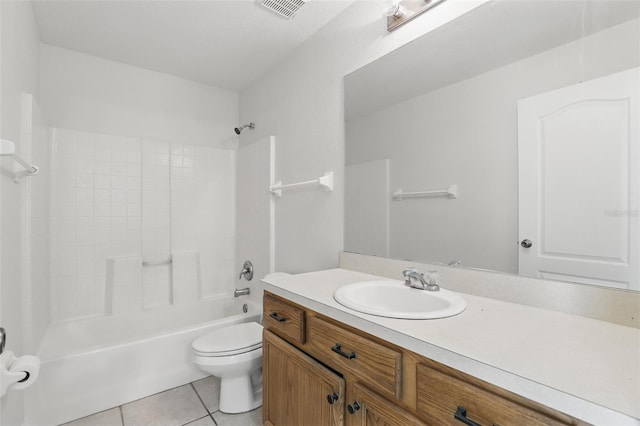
(285, 8)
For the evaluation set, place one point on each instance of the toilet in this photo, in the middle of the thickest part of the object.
(234, 354)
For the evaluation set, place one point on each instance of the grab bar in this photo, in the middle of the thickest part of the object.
(450, 192)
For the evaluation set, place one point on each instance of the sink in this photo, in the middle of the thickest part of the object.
(392, 299)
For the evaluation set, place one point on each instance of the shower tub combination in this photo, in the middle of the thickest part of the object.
(94, 364)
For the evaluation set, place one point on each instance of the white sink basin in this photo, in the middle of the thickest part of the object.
(393, 299)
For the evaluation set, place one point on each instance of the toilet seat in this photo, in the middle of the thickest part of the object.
(231, 340)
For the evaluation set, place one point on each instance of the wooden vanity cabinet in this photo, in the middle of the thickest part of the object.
(298, 390)
(366, 408)
(305, 380)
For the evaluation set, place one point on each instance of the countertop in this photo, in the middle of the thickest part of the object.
(586, 368)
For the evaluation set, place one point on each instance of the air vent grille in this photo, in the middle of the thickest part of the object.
(285, 8)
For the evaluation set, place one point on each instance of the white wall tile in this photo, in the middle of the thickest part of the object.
(139, 198)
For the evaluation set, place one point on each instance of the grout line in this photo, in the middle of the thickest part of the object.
(121, 415)
(214, 420)
(201, 401)
(195, 420)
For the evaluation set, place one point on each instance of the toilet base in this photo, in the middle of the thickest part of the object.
(239, 394)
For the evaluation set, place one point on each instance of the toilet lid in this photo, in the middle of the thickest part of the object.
(230, 340)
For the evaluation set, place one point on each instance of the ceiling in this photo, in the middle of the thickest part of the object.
(223, 43)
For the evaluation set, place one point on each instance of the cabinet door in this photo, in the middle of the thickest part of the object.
(365, 408)
(298, 390)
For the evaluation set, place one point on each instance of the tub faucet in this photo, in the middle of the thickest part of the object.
(247, 271)
(241, 292)
(415, 279)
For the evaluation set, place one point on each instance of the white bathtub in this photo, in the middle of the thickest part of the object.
(95, 364)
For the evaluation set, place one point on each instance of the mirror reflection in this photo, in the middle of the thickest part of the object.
(510, 140)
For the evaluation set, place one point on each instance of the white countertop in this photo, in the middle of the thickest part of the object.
(585, 368)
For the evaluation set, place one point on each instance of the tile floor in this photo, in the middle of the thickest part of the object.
(195, 404)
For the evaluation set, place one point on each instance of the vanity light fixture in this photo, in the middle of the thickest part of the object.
(396, 10)
(402, 11)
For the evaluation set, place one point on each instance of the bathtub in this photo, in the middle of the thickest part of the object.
(94, 364)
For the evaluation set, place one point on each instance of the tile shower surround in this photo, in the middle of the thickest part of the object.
(115, 196)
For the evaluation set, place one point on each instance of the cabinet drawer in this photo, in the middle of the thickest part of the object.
(283, 319)
(441, 395)
(375, 365)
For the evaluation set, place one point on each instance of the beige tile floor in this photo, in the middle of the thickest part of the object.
(195, 404)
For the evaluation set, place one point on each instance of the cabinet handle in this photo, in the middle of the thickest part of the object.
(461, 414)
(352, 408)
(336, 348)
(332, 397)
(275, 316)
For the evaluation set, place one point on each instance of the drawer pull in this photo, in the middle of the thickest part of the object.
(461, 414)
(337, 349)
(275, 316)
(352, 408)
(332, 397)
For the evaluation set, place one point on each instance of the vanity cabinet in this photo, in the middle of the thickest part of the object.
(309, 361)
(366, 408)
(298, 390)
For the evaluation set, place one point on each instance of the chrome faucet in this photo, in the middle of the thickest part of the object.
(247, 271)
(241, 292)
(415, 279)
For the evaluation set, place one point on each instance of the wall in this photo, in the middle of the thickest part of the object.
(300, 101)
(86, 93)
(427, 150)
(18, 73)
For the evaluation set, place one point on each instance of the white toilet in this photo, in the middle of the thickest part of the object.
(234, 354)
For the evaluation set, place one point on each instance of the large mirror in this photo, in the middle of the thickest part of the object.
(506, 140)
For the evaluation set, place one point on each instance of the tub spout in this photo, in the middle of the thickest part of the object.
(241, 292)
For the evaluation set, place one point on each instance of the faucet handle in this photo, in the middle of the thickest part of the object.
(433, 277)
(410, 270)
(432, 281)
(247, 271)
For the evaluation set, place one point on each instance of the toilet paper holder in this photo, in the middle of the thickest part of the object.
(16, 372)
(3, 341)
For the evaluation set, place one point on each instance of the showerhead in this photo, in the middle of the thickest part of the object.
(238, 130)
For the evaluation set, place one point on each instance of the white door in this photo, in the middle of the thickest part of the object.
(578, 182)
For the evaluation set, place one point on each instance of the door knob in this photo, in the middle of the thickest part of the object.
(526, 243)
